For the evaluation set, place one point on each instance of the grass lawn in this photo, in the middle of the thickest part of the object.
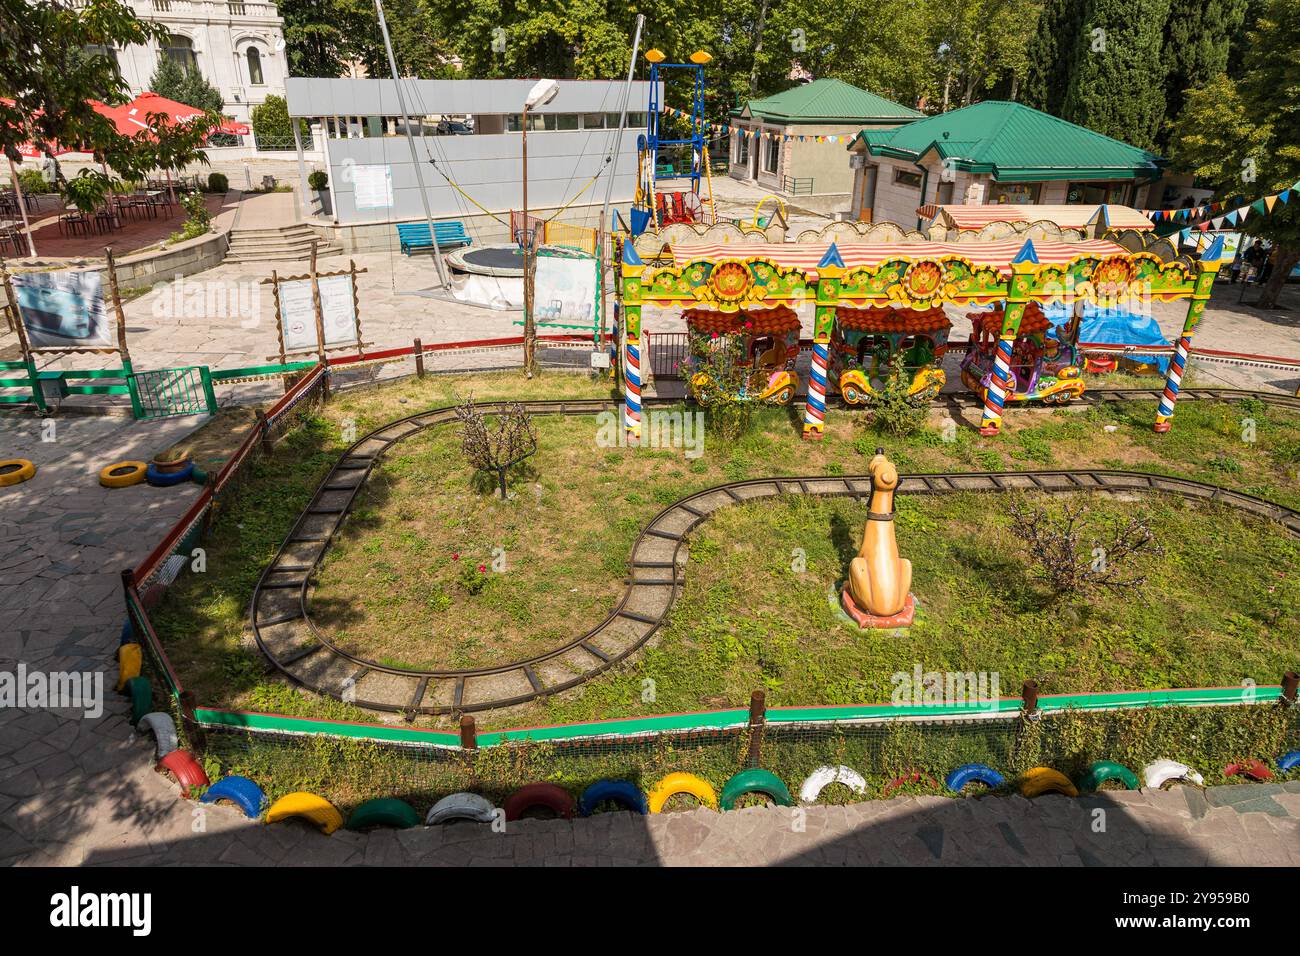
(1221, 606)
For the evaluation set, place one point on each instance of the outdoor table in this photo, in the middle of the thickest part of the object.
(74, 222)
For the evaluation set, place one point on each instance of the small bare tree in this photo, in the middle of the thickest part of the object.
(1056, 548)
(498, 449)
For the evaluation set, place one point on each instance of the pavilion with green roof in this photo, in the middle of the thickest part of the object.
(993, 152)
(793, 142)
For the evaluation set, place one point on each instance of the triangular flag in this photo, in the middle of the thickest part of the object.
(1242, 213)
(1231, 218)
(832, 257)
(1269, 201)
(1218, 223)
(1258, 205)
(1284, 195)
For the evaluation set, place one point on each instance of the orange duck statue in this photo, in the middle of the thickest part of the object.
(877, 593)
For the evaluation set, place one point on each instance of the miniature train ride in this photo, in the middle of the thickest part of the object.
(865, 341)
(1045, 364)
(769, 347)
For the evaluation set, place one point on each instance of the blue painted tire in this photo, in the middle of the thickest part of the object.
(160, 480)
(128, 633)
(973, 772)
(240, 791)
(1289, 760)
(623, 792)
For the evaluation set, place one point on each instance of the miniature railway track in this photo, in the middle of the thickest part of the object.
(280, 610)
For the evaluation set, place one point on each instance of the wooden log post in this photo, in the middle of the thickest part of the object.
(1290, 683)
(419, 359)
(468, 733)
(264, 430)
(1029, 696)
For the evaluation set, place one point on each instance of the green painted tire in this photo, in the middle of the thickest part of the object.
(755, 780)
(384, 812)
(1104, 770)
(141, 693)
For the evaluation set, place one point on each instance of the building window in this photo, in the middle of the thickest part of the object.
(180, 50)
(1095, 194)
(97, 49)
(254, 66)
(1019, 194)
(742, 147)
(905, 177)
(596, 121)
(772, 157)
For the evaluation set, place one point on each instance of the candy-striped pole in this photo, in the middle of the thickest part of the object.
(1173, 381)
(995, 396)
(814, 415)
(1210, 262)
(632, 391)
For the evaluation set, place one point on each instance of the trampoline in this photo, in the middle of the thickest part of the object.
(490, 276)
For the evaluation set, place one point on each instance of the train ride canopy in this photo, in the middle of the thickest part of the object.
(864, 341)
(912, 275)
(763, 365)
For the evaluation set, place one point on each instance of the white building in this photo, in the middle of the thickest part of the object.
(238, 46)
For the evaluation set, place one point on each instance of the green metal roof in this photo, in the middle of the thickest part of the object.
(826, 101)
(1015, 144)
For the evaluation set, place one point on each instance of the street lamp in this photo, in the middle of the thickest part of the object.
(543, 92)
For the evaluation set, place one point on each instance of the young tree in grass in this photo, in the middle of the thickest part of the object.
(496, 450)
(1243, 136)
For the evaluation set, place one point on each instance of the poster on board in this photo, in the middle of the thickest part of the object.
(64, 310)
(372, 187)
(1231, 243)
(338, 310)
(565, 290)
(297, 316)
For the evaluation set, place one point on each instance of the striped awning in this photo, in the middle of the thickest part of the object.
(806, 256)
(1066, 216)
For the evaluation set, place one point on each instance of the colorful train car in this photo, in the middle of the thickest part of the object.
(865, 341)
(1045, 362)
(769, 340)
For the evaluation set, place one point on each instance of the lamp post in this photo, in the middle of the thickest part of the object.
(543, 92)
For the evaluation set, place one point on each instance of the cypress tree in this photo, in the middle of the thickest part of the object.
(1051, 54)
(1198, 36)
(1116, 87)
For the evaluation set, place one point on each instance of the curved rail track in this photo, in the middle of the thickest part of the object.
(280, 611)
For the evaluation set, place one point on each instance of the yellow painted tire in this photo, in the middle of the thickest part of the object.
(14, 471)
(1042, 780)
(128, 664)
(123, 474)
(676, 783)
(302, 804)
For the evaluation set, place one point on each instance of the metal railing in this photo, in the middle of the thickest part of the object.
(793, 186)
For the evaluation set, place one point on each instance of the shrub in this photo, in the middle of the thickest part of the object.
(218, 183)
(892, 409)
(318, 180)
(198, 219)
(724, 383)
(34, 183)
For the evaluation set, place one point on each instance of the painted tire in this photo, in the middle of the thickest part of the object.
(967, 773)
(129, 660)
(914, 776)
(128, 633)
(185, 769)
(1159, 772)
(309, 806)
(1042, 780)
(461, 806)
(548, 795)
(161, 479)
(1104, 770)
(384, 812)
(623, 792)
(240, 791)
(676, 783)
(1254, 769)
(14, 471)
(163, 729)
(123, 474)
(141, 693)
(755, 780)
(823, 777)
(1289, 760)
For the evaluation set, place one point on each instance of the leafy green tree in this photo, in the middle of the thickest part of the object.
(185, 85)
(1243, 136)
(47, 80)
(271, 120)
(1051, 55)
(1198, 36)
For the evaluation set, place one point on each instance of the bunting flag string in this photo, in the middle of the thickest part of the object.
(1233, 217)
(760, 134)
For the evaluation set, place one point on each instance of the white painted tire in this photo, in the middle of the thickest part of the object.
(460, 806)
(163, 729)
(822, 777)
(1157, 773)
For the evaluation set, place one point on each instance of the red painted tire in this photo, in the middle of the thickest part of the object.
(539, 795)
(914, 776)
(185, 769)
(1254, 769)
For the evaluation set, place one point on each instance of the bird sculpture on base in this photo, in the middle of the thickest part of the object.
(877, 593)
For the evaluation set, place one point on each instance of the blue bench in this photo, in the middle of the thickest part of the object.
(415, 235)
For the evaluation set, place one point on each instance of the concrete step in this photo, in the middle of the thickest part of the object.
(297, 229)
(277, 242)
(282, 255)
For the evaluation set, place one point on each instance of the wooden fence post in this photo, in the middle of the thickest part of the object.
(757, 720)
(1290, 682)
(468, 733)
(419, 359)
(265, 428)
(1029, 695)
